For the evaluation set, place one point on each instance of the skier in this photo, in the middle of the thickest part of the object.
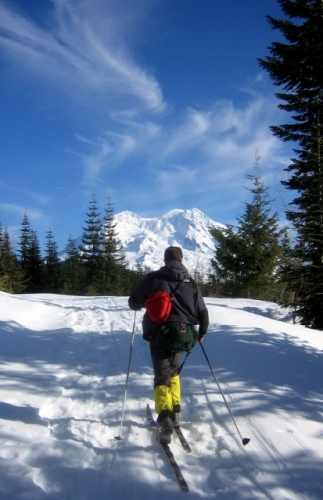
(188, 310)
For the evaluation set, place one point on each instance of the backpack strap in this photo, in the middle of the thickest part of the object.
(173, 292)
(158, 275)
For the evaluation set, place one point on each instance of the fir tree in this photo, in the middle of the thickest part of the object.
(73, 272)
(290, 273)
(297, 67)
(227, 263)
(35, 266)
(247, 259)
(52, 279)
(91, 251)
(30, 257)
(113, 255)
(11, 276)
(25, 241)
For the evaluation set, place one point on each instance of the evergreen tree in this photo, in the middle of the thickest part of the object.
(30, 257)
(91, 251)
(52, 279)
(297, 67)
(73, 272)
(228, 262)
(137, 275)
(35, 266)
(290, 273)
(114, 258)
(25, 242)
(11, 276)
(2, 265)
(247, 259)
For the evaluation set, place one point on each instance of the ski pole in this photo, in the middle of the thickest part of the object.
(181, 367)
(245, 441)
(127, 379)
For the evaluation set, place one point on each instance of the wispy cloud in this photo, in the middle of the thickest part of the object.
(219, 143)
(125, 139)
(204, 152)
(86, 49)
(83, 50)
(14, 210)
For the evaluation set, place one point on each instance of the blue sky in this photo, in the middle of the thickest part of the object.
(159, 104)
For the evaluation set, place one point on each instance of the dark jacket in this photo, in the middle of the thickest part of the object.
(188, 304)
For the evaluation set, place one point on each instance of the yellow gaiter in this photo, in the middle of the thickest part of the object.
(163, 399)
(175, 389)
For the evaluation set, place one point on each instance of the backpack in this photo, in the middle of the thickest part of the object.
(174, 337)
(159, 305)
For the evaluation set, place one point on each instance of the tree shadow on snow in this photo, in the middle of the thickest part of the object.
(68, 368)
(272, 374)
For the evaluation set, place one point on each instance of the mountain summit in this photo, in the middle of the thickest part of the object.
(144, 239)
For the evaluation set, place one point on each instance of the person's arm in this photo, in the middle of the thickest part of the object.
(203, 323)
(138, 295)
(203, 315)
(133, 303)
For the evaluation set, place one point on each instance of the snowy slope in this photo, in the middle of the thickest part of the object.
(145, 239)
(63, 363)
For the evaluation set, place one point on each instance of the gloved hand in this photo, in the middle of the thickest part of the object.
(200, 335)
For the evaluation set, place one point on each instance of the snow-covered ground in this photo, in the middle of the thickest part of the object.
(63, 364)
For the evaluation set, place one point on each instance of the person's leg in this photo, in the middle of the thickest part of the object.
(175, 387)
(162, 376)
(164, 364)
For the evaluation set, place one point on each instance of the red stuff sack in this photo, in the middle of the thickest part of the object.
(159, 306)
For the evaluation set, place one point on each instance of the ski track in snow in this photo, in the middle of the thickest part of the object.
(63, 364)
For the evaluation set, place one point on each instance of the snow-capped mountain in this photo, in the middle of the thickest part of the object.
(145, 239)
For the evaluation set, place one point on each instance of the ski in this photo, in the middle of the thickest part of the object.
(182, 438)
(168, 452)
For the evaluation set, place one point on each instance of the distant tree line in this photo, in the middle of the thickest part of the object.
(250, 259)
(97, 267)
